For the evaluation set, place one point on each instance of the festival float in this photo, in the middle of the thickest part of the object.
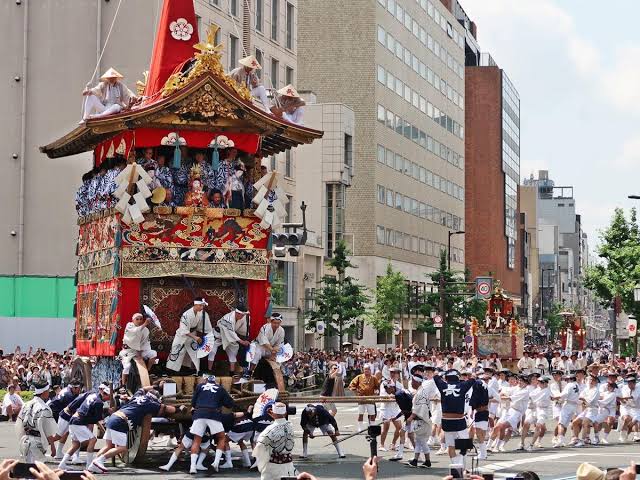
(136, 254)
(500, 333)
(573, 332)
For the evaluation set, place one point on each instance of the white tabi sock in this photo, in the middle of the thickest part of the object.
(201, 457)
(604, 435)
(361, 426)
(227, 456)
(194, 460)
(400, 450)
(483, 449)
(457, 460)
(338, 449)
(60, 449)
(305, 448)
(172, 460)
(90, 456)
(501, 443)
(246, 458)
(65, 458)
(216, 462)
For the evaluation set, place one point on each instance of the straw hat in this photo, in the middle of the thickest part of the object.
(250, 62)
(586, 471)
(289, 91)
(111, 73)
(158, 195)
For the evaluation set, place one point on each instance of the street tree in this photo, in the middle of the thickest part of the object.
(617, 271)
(341, 301)
(391, 299)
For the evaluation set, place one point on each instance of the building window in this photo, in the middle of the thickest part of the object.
(233, 7)
(288, 164)
(348, 150)
(289, 43)
(199, 25)
(275, 66)
(233, 51)
(335, 215)
(381, 194)
(309, 299)
(275, 7)
(288, 218)
(288, 73)
(259, 15)
(283, 285)
(380, 235)
(260, 59)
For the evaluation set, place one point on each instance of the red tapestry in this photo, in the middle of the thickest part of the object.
(98, 318)
(97, 235)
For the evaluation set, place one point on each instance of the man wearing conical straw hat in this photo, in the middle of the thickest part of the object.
(246, 75)
(108, 97)
(290, 105)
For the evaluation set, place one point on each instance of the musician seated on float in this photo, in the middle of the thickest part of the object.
(216, 200)
(246, 75)
(269, 340)
(108, 97)
(289, 105)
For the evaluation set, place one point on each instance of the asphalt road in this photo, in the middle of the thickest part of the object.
(547, 462)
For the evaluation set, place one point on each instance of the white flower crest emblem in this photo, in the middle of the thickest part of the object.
(181, 29)
(173, 139)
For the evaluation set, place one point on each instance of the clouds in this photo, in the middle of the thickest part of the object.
(621, 82)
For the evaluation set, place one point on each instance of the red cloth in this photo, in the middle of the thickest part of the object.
(177, 34)
(257, 304)
(152, 137)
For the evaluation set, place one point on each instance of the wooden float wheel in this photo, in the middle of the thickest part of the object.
(137, 439)
(81, 372)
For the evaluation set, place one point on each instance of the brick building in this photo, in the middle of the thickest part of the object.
(492, 173)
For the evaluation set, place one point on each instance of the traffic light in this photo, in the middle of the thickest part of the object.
(284, 243)
(279, 244)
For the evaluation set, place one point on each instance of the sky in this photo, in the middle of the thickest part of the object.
(576, 65)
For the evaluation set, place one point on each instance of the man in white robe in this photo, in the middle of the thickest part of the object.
(269, 340)
(246, 75)
(274, 446)
(136, 343)
(108, 97)
(36, 427)
(419, 422)
(230, 328)
(194, 324)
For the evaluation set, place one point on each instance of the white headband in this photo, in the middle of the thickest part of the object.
(417, 379)
(279, 409)
(200, 302)
(43, 389)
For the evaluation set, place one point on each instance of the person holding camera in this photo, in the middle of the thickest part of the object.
(316, 416)
(274, 446)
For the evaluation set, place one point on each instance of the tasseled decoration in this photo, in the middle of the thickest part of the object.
(177, 155)
(114, 337)
(215, 159)
(116, 266)
(118, 238)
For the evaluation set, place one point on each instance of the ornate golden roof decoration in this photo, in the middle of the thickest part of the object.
(208, 59)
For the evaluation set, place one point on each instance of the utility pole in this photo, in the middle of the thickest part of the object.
(441, 286)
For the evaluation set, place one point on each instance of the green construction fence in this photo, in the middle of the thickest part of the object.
(35, 296)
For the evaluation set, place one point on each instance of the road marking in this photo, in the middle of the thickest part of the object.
(494, 467)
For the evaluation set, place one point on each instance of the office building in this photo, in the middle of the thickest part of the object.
(399, 64)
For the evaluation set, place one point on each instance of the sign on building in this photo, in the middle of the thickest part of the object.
(484, 287)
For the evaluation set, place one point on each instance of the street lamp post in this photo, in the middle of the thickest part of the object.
(451, 234)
